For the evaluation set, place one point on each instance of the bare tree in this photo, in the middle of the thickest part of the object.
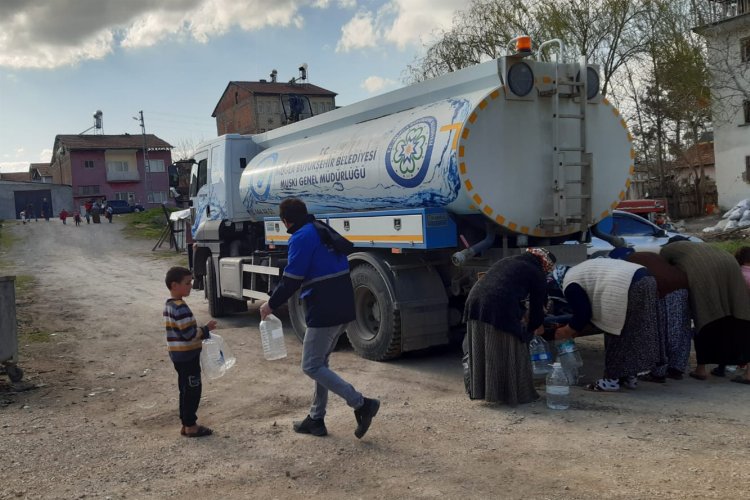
(185, 148)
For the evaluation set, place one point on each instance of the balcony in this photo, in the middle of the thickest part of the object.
(721, 10)
(122, 176)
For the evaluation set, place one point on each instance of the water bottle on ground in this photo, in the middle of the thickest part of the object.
(541, 357)
(272, 338)
(569, 358)
(558, 388)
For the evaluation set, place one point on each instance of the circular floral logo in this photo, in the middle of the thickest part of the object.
(408, 155)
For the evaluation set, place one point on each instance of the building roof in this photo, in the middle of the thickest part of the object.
(276, 88)
(16, 176)
(125, 141)
(697, 155)
(42, 168)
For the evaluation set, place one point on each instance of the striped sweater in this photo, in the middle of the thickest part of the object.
(184, 337)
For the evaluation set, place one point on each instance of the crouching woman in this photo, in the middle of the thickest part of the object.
(620, 299)
(497, 333)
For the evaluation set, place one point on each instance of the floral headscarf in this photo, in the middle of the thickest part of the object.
(546, 258)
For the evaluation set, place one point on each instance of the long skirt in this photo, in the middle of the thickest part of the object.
(674, 319)
(500, 366)
(640, 346)
(725, 341)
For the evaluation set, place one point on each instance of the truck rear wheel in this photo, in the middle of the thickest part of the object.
(215, 303)
(376, 331)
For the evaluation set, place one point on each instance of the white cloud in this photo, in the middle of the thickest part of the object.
(374, 84)
(358, 33)
(55, 33)
(398, 22)
(20, 165)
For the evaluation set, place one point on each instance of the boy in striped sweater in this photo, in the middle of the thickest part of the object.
(184, 342)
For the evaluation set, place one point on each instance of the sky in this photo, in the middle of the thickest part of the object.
(62, 60)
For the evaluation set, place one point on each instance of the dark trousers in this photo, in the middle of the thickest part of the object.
(189, 383)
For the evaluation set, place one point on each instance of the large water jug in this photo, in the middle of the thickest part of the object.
(272, 338)
(558, 388)
(541, 357)
(570, 359)
(216, 358)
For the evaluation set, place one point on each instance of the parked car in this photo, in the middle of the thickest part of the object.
(123, 207)
(640, 234)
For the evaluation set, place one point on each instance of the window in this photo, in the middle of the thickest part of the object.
(746, 111)
(157, 197)
(124, 195)
(745, 50)
(88, 190)
(117, 166)
(747, 170)
(198, 177)
(156, 166)
(88, 164)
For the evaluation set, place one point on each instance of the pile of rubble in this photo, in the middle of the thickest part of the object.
(734, 224)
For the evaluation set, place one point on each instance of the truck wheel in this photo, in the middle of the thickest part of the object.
(215, 303)
(376, 331)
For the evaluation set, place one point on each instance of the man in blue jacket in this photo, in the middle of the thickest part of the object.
(323, 275)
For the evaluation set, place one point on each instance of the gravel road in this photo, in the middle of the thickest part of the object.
(99, 416)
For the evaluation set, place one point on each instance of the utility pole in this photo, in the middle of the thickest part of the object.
(146, 166)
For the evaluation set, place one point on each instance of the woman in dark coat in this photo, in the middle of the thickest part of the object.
(499, 327)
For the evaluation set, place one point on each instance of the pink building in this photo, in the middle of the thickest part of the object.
(112, 167)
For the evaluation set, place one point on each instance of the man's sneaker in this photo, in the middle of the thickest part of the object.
(314, 426)
(364, 415)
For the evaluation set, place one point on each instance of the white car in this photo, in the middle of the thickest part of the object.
(640, 234)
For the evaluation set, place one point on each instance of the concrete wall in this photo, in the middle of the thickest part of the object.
(62, 197)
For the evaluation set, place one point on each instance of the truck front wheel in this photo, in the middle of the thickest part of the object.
(215, 303)
(376, 331)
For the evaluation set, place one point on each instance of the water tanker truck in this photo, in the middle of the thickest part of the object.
(433, 183)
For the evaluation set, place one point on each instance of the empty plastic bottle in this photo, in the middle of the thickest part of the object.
(541, 357)
(558, 388)
(216, 358)
(569, 358)
(272, 338)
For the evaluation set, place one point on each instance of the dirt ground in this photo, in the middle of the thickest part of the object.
(99, 416)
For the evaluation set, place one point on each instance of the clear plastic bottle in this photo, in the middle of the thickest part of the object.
(272, 338)
(216, 358)
(541, 357)
(558, 388)
(569, 358)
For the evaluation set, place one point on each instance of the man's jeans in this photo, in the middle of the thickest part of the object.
(316, 349)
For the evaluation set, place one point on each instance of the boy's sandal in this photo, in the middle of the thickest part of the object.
(741, 380)
(698, 376)
(718, 372)
(201, 432)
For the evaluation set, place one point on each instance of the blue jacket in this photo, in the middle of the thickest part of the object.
(323, 276)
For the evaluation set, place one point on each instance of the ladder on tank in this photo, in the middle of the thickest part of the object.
(571, 163)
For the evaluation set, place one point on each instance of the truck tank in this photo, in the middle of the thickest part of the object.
(481, 151)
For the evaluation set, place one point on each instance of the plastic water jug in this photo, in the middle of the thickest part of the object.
(541, 357)
(558, 388)
(216, 358)
(272, 338)
(570, 359)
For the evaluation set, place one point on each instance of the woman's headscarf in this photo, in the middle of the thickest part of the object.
(546, 258)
